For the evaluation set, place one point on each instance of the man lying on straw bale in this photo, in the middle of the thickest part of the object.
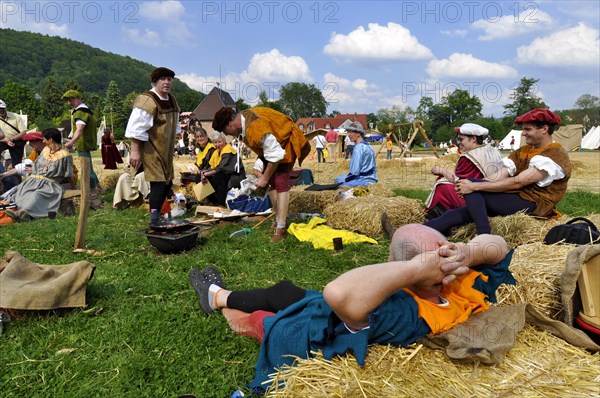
(362, 170)
(477, 160)
(533, 180)
(427, 287)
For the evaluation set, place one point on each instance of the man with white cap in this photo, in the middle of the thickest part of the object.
(362, 170)
(533, 179)
(477, 160)
(12, 129)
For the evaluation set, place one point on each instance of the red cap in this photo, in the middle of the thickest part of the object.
(539, 115)
(34, 136)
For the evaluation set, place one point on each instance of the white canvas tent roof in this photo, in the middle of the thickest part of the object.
(505, 143)
(592, 139)
(569, 137)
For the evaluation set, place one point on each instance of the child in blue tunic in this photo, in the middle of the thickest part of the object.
(426, 287)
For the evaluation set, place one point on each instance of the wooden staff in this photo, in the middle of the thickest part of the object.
(86, 166)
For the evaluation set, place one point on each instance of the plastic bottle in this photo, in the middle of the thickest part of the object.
(237, 394)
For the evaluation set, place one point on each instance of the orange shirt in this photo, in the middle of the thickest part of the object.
(462, 301)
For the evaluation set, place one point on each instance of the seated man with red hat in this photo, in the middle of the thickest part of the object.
(533, 179)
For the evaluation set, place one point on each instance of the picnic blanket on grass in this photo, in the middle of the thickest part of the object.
(25, 285)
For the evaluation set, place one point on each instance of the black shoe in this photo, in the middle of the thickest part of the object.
(201, 284)
(213, 276)
(435, 212)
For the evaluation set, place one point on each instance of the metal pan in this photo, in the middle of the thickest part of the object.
(171, 225)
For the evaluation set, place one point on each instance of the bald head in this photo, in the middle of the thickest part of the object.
(413, 239)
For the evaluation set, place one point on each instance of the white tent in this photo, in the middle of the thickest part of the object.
(505, 143)
(592, 139)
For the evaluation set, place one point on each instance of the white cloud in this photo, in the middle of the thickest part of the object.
(577, 46)
(274, 66)
(170, 10)
(455, 33)
(349, 96)
(265, 72)
(467, 66)
(146, 37)
(230, 82)
(529, 21)
(391, 42)
(172, 28)
(12, 17)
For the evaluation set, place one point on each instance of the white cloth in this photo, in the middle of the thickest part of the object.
(259, 166)
(272, 151)
(141, 121)
(542, 163)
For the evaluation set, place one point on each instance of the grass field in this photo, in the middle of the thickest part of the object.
(143, 334)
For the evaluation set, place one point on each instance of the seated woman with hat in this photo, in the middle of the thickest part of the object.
(225, 171)
(362, 169)
(477, 160)
(40, 194)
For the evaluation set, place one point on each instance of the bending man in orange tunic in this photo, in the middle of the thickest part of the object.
(278, 142)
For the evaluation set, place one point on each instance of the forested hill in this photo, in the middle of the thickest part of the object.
(29, 58)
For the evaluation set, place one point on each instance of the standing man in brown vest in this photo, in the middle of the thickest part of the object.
(278, 142)
(533, 179)
(153, 127)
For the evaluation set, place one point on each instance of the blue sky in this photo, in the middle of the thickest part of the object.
(363, 55)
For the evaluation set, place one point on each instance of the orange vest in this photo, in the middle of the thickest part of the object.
(463, 301)
(260, 121)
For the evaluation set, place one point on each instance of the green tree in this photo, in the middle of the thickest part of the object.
(395, 114)
(302, 100)
(51, 102)
(524, 98)
(113, 109)
(20, 98)
(425, 104)
(372, 120)
(463, 107)
(587, 103)
(334, 113)
(263, 100)
(241, 104)
(188, 100)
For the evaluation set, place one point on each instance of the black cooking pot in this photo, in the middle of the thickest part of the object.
(169, 242)
(172, 224)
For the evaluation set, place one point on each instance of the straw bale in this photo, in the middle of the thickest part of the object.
(363, 214)
(517, 229)
(537, 268)
(557, 369)
(109, 180)
(382, 190)
(311, 201)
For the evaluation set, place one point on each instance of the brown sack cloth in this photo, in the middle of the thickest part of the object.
(25, 285)
(570, 297)
(486, 337)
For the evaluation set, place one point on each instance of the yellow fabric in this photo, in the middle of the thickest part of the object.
(389, 145)
(202, 154)
(325, 153)
(217, 155)
(321, 236)
(463, 301)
